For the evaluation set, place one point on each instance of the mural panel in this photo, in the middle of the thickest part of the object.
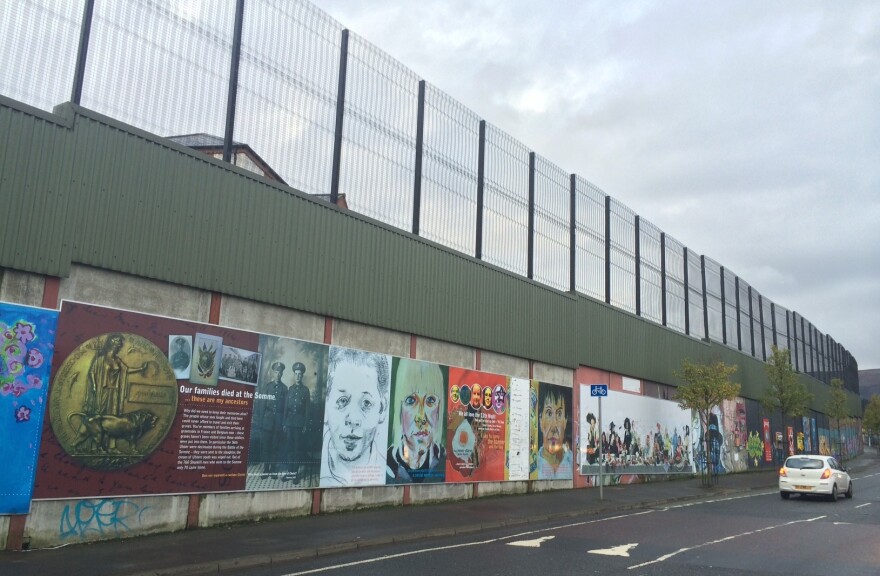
(26, 351)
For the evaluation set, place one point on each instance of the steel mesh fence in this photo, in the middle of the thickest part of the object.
(164, 66)
(449, 172)
(650, 272)
(286, 104)
(505, 241)
(552, 214)
(589, 239)
(38, 48)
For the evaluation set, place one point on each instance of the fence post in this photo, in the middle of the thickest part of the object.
(763, 327)
(705, 299)
(638, 255)
(607, 249)
(481, 182)
(572, 233)
(751, 322)
(531, 242)
(723, 309)
(340, 113)
(687, 294)
(420, 141)
(739, 342)
(232, 95)
(663, 277)
(82, 52)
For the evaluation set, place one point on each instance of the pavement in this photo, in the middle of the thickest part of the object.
(205, 551)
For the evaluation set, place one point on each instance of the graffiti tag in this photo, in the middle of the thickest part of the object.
(103, 516)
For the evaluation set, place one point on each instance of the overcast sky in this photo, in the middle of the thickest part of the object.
(749, 131)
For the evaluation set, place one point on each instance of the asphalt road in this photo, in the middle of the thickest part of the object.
(746, 534)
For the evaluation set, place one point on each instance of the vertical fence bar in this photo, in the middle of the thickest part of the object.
(420, 143)
(687, 295)
(773, 319)
(738, 315)
(705, 299)
(531, 241)
(572, 236)
(638, 256)
(232, 94)
(340, 115)
(723, 310)
(608, 249)
(663, 277)
(82, 53)
(751, 322)
(794, 333)
(763, 329)
(481, 187)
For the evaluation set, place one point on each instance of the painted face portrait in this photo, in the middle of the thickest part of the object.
(476, 396)
(553, 423)
(487, 397)
(453, 393)
(355, 409)
(419, 399)
(500, 397)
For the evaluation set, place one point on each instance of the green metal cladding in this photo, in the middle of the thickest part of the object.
(78, 187)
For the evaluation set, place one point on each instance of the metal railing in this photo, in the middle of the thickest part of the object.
(332, 114)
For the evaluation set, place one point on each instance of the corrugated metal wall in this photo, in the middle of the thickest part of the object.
(81, 187)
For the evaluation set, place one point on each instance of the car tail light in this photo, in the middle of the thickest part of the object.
(783, 471)
(826, 474)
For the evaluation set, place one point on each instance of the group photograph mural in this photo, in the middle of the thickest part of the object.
(637, 435)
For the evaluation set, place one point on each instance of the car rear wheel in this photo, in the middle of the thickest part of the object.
(785, 495)
(849, 490)
(833, 496)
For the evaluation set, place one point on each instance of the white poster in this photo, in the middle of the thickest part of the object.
(518, 430)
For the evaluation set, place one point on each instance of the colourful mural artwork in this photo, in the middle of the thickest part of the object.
(141, 404)
(476, 426)
(637, 435)
(417, 431)
(555, 460)
(27, 345)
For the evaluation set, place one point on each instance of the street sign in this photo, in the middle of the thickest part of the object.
(598, 389)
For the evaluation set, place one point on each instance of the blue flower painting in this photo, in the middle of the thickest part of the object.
(27, 341)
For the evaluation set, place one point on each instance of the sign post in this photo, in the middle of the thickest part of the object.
(600, 391)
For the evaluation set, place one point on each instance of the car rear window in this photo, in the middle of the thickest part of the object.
(804, 463)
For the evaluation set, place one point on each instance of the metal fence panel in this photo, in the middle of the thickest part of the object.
(651, 288)
(378, 149)
(161, 65)
(623, 256)
(449, 172)
(675, 284)
(590, 239)
(506, 197)
(552, 209)
(288, 75)
(38, 48)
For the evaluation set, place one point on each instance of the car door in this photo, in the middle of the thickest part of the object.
(837, 473)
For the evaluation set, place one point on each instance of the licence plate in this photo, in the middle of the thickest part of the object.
(803, 487)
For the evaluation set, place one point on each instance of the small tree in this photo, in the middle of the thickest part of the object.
(836, 409)
(786, 392)
(706, 387)
(871, 419)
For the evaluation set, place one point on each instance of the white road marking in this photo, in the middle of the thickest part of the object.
(725, 539)
(536, 543)
(622, 550)
(863, 505)
(466, 544)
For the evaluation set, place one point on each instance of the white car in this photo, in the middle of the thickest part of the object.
(810, 474)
